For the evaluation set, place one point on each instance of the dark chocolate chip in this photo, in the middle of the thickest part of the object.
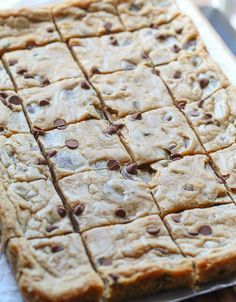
(205, 230)
(176, 218)
(120, 212)
(104, 261)
(176, 156)
(58, 123)
(161, 37)
(153, 230)
(72, 144)
(56, 248)
(84, 85)
(22, 71)
(108, 26)
(50, 228)
(30, 44)
(176, 48)
(28, 76)
(3, 94)
(61, 211)
(2, 127)
(203, 82)
(113, 41)
(136, 116)
(200, 103)
(44, 102)
(193, 232)
(45, 82)
(78, 210)
(179, 31)
(113, 164)
(177, 74)
(15, 100)
(51, 153)
(50, 30)
(132, 169)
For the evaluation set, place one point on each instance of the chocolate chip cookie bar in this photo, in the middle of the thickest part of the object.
(207, 236)
(25, 28)
(136, 14)
(86, 18)
(129, 91)
(106, 197)
(137, 256)
(12, 117)
(109, 53)
(82, 147)
(67, 277)
(41, 66)
(186, 183)
(5, 81)
(60, 103)
(158, 134)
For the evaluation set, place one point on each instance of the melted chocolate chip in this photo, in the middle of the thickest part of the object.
(205, 230)
(153, 230)
(3, 94)
(176, 218)
(161, 37)
(22, 71)
(51, 153)
(15, 100)
(50, 228)
(45, 82)
(177, 74)
(84, 85)
(120, 212)
(113, 164)
(176, 48)
(132, 169)
(72, 144)
(56, 248)
(61, 212)
(2, 127)
(59, 123)
(203, 82)
(104, 261)
(78, 210)
(44, 102)
(50, 30)
(136, 116)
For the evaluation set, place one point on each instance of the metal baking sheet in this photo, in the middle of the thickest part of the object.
(225, 59)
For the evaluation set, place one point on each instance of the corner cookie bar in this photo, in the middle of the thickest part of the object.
(32, 210)
(41, 66)
(106, 197)
(158, 134)
(82, 147)
(86, 18)
(12, 118)
(136, 14)
(137, 258)
(25, 28)
(214, 119)
(61, 103)
(207, 236)
(109, 53)
(186, 183)
(54, 269)
(165, 43)
(22, 158)
(126, 92)
(5, 81)
(193, 77)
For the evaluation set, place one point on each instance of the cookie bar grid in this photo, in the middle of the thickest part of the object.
(109, 117)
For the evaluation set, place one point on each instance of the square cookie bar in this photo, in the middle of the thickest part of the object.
(54, 269)
(187, 183)
(22, 158)
(193, 77)
(137, 258)
(25, 28)
(207, 236)
(32, 210)
(12, 118)
(61, 103)
(86, 18)
(106, 197)
(82, 147)
(225, 161)
(166, 42)
(5, 81)
(158, 134)
(41, 66)
(214, 119)
(126, 92)
(136, 14)
(108, 53)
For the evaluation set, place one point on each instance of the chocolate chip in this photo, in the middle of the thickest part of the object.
(44, 102)
(2, 127)
(176, 218)
(161, 37)
(28, 76)
(59, 123)
(104, 261)
(95, 70)
(136, 116)
(61, 211)
(108, 26)
(84, 85)
(56, 248)
(177, 74)
(30, 44)
(132, 169)
(153, 230)
(113, 41)
(15, 100)
(203, 82)
(120, 212)
(21, 71)
(179, 31)
(207, 115)
(45, 82)
(111, 129)
(113, 164)
(176, 48)
(51, 153)
(42, 161)
(176, 156)
(200, 103)
(78, 210)
(50, 228)
(72, 144)
(205, 230)
(3, 94)
(50, 30)
(12, 62)
(193, 232)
